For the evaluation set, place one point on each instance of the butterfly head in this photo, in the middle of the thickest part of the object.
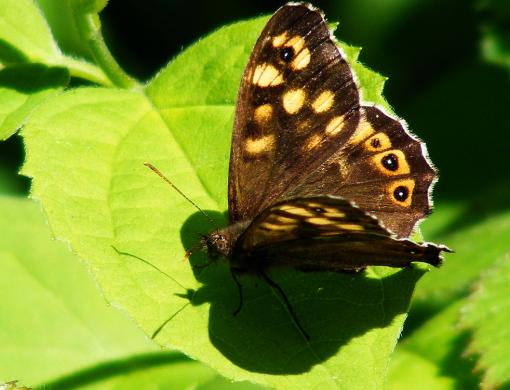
(216, 245)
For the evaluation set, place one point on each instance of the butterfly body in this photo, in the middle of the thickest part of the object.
(318, 181)
(320, 233)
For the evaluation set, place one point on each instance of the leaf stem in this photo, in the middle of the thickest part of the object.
(89, 27)
(86, 71)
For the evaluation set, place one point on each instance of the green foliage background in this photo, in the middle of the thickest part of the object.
(448, 66)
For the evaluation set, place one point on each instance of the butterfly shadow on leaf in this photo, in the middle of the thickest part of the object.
(333, 308)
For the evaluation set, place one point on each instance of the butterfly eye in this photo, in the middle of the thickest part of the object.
(401, 193)
(287, 54)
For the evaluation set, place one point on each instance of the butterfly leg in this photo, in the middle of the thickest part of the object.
(274, 285)
(234, 274)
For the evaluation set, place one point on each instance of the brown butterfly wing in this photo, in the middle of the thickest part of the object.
(383, 169)
(324, 234)
(297, 103)
(300, 131)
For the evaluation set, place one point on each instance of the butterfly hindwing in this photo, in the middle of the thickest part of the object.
(325, 233)
(297, 102)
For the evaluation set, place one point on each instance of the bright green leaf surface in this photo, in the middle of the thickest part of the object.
(24, 87)
(85, 151)
(407, 367)
(52, 318)
(487, 315)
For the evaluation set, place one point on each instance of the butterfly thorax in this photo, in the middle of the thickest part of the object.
(221, 243)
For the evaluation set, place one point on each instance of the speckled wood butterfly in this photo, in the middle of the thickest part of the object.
(318, 181)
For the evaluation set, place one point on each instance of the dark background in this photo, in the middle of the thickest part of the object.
(438, 81)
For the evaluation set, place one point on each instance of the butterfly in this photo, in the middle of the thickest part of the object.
(317, 180)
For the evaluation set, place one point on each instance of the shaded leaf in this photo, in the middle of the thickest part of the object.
(22, 88)
(60, 15)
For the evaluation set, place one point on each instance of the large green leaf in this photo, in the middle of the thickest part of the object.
(487, 315)
(85, 153)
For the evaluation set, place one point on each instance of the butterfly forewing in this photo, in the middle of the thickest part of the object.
(297, 103)
(300, 130)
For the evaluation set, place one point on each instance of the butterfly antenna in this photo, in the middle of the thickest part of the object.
(158, 172)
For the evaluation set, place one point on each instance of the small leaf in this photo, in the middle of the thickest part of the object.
(85, 153)
(434, 354)
(487, 315)
(22, 88)
(472, 255)
(25, 35)
(61, 17)
(495, 42)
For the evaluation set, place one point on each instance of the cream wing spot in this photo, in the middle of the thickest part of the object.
(350, 226)
(335, 125)
(319, 221)
(298, 211)
(286, 220)
(263, 144)
(334, 214)
(302, 59)
(293, 100)
(276, 226)
(279, 40)
(296, 42)
(266, 75)
(362, 132)
(263, 113)
(323, 102)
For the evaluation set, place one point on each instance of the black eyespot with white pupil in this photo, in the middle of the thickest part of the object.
(287, 54)
(401, 193)
(390, 162)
